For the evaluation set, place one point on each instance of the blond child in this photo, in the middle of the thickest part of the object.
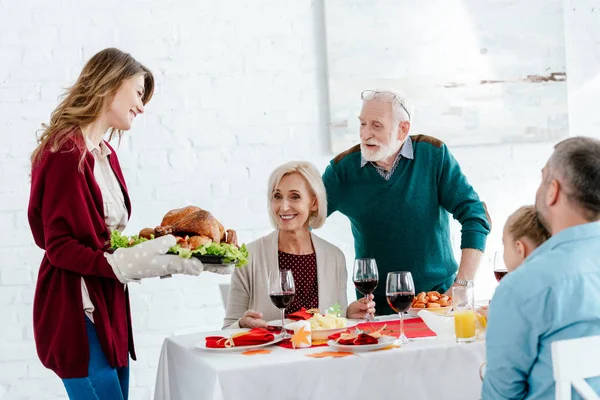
(522, 234)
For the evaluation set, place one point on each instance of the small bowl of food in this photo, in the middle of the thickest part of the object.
(322, 325)
(431, 301)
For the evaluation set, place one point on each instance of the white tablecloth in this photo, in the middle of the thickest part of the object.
(423, 369)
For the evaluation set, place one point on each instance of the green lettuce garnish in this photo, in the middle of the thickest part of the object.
(335, 309)
(231, 254)
(117, 240)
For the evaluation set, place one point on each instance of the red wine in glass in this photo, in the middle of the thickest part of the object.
(400, 302)
(499, 275)
(499, 266)
(281, 291)
(400, 292)
(282, 300)
(366, 286)
(365, 277)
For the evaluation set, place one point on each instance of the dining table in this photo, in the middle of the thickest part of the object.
(427, 367)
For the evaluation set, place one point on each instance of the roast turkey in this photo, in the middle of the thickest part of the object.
(198, 224)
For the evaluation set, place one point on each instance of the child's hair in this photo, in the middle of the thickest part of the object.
(525, 223)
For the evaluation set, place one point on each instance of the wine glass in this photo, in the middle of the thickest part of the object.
(365, 277)
(282, 291)
(400, 292)
(499, 267)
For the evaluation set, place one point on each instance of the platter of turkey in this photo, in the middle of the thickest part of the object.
(199, 234)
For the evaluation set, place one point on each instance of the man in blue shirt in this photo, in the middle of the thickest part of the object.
(555, 294)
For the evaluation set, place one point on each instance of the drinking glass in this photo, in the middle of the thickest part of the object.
(366, 278)
(400, 292)
(465, 325)
(499, 267)
(282, 291)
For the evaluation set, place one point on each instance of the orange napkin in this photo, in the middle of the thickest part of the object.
(253, 337)
(301, 315)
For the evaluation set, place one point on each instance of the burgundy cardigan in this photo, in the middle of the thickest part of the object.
(66, 216)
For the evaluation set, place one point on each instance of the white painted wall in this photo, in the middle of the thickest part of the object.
(478, 66)
(582, 37)
(241, 88)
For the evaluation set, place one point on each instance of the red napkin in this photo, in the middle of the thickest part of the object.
(252, 337)
(360, 339)
(301, 315)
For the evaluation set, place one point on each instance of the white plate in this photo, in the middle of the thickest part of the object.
(383, 342)
(413, 312)
(319, 334)
(202, 345)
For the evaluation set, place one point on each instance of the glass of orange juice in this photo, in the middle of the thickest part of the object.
(465, 325)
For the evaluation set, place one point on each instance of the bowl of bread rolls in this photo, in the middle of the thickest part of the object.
(431, 301)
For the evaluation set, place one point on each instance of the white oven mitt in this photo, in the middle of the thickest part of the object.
(221, 269)
(149, 260)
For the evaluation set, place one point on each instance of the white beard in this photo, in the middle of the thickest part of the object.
(375, 155)
(372, 155)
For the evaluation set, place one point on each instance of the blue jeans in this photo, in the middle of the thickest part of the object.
(103, 382)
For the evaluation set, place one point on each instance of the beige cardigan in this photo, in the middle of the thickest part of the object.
(249, 291)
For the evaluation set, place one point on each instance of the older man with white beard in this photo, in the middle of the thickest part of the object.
(398, 191)
(555, 294)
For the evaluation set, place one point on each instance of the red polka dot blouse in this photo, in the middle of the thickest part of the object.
(304, 270)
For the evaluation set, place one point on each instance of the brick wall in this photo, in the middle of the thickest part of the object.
(241, 88)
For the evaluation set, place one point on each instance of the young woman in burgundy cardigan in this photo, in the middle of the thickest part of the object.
(81, 315)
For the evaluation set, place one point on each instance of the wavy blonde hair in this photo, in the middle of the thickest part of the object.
(315, 184)
(91, 95)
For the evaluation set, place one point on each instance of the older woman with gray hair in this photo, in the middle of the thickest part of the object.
(297, 203)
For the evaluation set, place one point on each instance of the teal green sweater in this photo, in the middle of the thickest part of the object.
(403, 223)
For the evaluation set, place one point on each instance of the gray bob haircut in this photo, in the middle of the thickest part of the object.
(315, 184)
